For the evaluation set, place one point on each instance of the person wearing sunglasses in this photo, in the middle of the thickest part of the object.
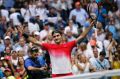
(33, 66)
(60, 53)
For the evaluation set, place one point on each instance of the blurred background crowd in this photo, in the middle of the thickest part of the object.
(99, 51)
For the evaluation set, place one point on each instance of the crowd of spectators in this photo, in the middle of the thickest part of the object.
(99, 51)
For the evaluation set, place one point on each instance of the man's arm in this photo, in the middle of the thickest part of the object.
(85, 32)
(34, 41)
(31, 68)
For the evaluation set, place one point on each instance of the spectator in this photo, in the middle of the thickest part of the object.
(7, 41)
(14, 59)
(52, 16)
(14, 17)
(111, 28)
(92, 7)
(83, 64)
(2, 76)
(80, 13)
(20, 68)
(25, 12)
(103, 63)
(93, 42)
(8, 74)
(37, 35)
(82, 49)
(5, 13)
(2, 48)
(41, 11)
(94, 59)
(33, 26)
(99, 32)
(109, 45)
(22, 46)
(8, 4)
(74, 65)
(60, 24)
(45, 32)
(3, 26)
(33, 67)
(116, 64)
(72, 28)
(102, 15)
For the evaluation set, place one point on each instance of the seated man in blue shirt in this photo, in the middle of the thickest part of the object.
(33, 65)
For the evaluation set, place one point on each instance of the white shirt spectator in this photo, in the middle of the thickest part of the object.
(32, 9)
(14, 62)
(26, 13)
(81, 15)
(105, 63)
(33, 27)
(94, 63)
(70, 4)
(14, 18)
(42, 12)
(100, 65)
(75, 70)
(100, 36)
(44, 33)
(88, 53)
(63, 5)
(106, 44)
(56, 5)
(87, 66)
(74, 29)
(5, 13)
(99, 45)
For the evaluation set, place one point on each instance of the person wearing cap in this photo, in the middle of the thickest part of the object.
(60, 52)
(33, 66)
(93, 42)
(8, 73)
(37, 35)
(7, 43)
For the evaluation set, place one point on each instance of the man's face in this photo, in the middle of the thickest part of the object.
(95, 52)
(7, 41)
(34, 54)
(57, 38)
(22, 42)
(102, 58)
(77, 5)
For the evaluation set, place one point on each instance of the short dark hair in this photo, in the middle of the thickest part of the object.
(56, 31)
(103, 53)
(34, 49)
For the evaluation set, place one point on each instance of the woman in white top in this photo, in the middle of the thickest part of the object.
(83, 64)
(75, 69)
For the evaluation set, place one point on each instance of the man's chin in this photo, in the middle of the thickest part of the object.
(57, 42)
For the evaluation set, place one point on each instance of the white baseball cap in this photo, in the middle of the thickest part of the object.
(7, 37)
(36, 33)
